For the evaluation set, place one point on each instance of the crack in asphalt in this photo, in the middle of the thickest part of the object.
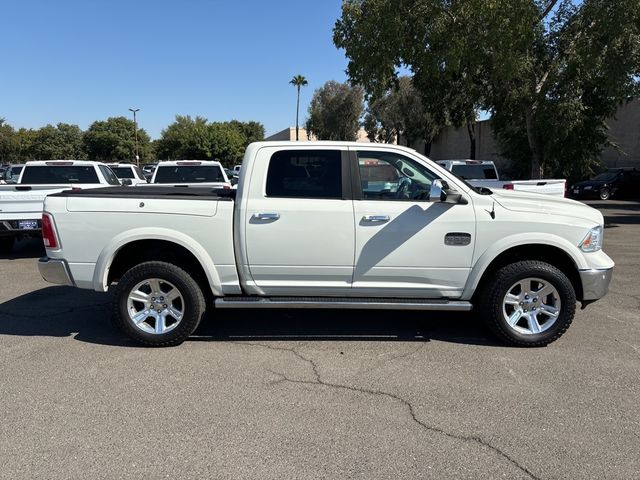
(63, 312)
(410, 408)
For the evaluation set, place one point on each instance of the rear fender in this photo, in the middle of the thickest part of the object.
(108, 254)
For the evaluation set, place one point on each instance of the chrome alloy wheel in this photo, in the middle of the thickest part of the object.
(531, 306)
(155, 306)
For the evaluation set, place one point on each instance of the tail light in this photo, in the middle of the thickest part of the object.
(226, 186)
(508, 186)
(48, 232)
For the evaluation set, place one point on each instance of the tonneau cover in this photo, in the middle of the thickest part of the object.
(204, 193)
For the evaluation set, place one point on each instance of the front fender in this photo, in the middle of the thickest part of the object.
(519, 240)
(107, 255)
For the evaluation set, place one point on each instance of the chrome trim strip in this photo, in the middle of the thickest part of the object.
(455, 306)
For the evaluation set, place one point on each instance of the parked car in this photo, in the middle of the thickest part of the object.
(12, 173)
(233, 176)
(305, 230)
(21, 204)
(614, 182)
(128, 173)
(185, 173)
(485, 174)
(148, 169)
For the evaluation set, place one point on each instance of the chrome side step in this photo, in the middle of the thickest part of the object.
(344, 303)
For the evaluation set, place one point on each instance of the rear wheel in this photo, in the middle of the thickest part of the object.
(605, 193)
(6, 244)
(158, 304)
(529, 303)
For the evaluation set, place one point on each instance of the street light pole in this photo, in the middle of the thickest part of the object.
(135, 130)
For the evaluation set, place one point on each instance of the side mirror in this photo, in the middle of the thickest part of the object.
(126, 182)
(437, 193)
(440, 192)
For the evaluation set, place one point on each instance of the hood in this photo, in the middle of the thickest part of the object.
(546, 204)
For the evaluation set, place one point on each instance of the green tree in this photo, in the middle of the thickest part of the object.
(335, 111)
(400, 113)
(186, 138)
(63, 141)
(190, 138)
(250, 131)
(8, 145)
(550, 71)
(227, 143)
(114, 140)
(298, 81)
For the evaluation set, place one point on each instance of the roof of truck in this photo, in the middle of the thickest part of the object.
(62, 163)
(174, 163)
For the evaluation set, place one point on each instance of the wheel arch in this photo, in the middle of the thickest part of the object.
(133, 248)
(546, 252)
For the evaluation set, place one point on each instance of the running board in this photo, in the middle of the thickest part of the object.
(345, 303)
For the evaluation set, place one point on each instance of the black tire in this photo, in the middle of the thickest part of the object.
(492, 296)
(605, 193)
(193, 308)
(6, 244)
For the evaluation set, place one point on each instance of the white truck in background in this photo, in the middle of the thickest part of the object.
(21, 203)
(329, 225)
(185, 173)
(483, 173)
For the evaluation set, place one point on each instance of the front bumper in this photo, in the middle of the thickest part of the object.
(55, 271)
(595, 283)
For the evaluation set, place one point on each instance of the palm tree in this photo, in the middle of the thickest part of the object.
(298, 81)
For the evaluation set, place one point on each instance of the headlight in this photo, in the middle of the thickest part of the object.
(593, 241)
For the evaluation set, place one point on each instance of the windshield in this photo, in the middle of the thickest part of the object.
(123, 172)
(189, 174)
(607, 176)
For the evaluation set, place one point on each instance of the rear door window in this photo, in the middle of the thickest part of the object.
(305, 174)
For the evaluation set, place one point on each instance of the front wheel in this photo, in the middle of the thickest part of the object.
(528, 303)
(605, 194)
(158, 304)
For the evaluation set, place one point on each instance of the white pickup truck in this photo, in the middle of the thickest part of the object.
(21, 203)
(316, 226)
(483, 173)
(185, 173)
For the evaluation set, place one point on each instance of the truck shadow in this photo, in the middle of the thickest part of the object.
(85, 316)
(26, 248)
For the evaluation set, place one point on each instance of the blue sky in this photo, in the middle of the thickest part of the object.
(79, 61)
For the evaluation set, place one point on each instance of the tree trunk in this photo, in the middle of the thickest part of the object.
(297, 114)
(427, 148)
(537, 162)
(471, 129)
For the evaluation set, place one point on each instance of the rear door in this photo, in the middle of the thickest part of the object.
(298, 222)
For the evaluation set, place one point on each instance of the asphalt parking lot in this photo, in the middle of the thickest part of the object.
(318, 394)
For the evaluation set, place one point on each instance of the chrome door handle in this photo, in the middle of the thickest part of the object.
(266, 216)
(376, 218)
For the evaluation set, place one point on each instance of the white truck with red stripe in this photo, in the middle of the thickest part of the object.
(21, 203)
(483, 173)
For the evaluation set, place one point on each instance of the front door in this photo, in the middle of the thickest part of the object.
(407, 246)
(299, 232)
